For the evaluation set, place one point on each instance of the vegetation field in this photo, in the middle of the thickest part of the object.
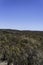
(21, 47)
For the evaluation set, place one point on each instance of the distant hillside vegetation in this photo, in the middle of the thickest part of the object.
(21, 47)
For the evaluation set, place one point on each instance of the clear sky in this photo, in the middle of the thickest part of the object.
(21, 14)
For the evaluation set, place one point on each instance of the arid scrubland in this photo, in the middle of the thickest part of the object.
(21, 47)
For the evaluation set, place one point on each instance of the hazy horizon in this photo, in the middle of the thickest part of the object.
(21, 14)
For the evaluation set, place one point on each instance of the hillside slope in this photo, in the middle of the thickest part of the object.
(21, 47)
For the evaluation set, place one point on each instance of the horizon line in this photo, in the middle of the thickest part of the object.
(19, 29)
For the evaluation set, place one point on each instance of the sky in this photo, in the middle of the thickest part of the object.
(21, 14)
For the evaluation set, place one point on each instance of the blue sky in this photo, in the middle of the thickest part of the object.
(21, 14)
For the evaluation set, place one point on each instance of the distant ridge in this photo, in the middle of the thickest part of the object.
(20, 30)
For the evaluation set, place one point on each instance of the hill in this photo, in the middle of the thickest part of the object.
(21, 47)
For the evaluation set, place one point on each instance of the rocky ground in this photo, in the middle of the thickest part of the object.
(3, 63)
